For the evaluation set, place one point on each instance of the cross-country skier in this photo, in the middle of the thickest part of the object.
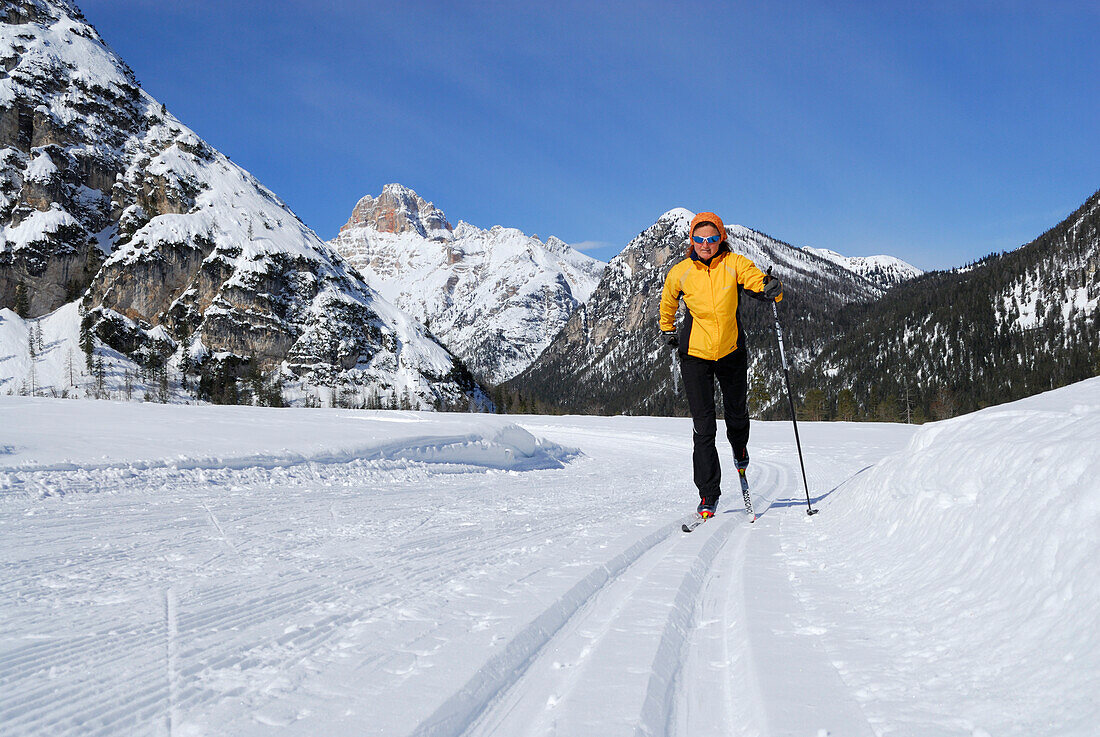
(710, 344)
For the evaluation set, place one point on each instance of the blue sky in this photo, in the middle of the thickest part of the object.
(936, 131)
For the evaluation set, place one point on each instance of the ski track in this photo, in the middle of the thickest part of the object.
(567, 670)
(33, 705)
(552, 679)
(223, 595)
(806, 695)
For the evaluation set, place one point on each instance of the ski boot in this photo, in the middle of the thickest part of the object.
(707, 505)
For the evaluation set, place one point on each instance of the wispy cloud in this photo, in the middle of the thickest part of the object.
(590, 245)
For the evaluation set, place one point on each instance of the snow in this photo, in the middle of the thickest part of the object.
(36, 227)
(59, 367)
(67, 47)
(60, 337)
(236, 571)
(884, 270)
(1029, 293)
(41, 168)
(1014, 494)
(157, 436)
(680, 215)
(194, 199)
(495, 297)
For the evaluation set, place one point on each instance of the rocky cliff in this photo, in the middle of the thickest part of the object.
(173, 249)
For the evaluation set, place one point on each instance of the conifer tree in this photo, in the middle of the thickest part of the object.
(33, 351)
(87, 343)
(887, 409)
(163, 393)
(759, 396)
(814, 405)
(22, 299)
(186, 362)
(846, 408)
(99, 373)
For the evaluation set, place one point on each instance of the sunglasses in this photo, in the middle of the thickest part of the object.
(709, 239)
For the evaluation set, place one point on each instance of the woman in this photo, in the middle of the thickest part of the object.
(710, 344)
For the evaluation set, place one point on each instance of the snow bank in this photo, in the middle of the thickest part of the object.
(38, 434)
(1010, 494)
(984, 533)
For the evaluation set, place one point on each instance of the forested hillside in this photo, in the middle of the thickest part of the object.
(1009, 326)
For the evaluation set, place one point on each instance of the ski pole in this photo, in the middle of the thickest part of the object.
(790, 399)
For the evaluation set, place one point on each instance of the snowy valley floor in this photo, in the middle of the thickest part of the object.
(238, 571)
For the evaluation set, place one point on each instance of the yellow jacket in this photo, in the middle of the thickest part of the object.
(711, 329)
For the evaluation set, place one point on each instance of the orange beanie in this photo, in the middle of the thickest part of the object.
(705, 217)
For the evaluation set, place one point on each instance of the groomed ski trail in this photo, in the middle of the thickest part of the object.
(683, 633)
(390, 597)
(623, 644)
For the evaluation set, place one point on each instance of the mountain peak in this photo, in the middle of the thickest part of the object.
(400, 210)
(678, 214)
(173, 250)
(496, 297)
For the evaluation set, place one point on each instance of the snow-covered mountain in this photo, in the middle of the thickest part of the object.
(929, 346)
(496, 297)
(178, 255)
(610, 356)
(885, 271)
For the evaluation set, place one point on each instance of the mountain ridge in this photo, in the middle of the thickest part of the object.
(1007, 326)
(493, 296)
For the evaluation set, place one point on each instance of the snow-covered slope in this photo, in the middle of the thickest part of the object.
(886, 271)
(972, 553)
(334, 572)
(124, 436)
(495, 297)
(106, 195)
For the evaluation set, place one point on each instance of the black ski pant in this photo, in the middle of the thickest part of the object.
(699, 375)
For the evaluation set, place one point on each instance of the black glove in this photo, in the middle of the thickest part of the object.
(773, 288)
(671, 338)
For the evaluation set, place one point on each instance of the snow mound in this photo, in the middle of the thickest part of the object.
(983, 532)
(1013, 489)
(44, 435)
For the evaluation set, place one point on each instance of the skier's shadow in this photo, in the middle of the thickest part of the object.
(801, 501)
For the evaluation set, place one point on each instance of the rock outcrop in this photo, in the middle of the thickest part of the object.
(400, 210)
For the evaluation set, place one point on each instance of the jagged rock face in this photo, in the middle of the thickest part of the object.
(103, 192)
(61, 138)
(400, 210)
(610, 356)
(495, 297)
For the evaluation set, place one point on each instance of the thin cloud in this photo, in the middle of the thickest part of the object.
(590, 245)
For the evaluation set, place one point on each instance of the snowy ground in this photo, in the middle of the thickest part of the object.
(239, 571)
